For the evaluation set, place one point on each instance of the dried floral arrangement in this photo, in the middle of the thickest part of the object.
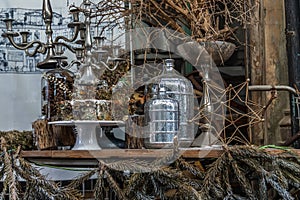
(240, 172)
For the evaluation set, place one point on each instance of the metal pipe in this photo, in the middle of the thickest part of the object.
(272, 87)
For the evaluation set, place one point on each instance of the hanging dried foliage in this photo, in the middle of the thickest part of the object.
(204, 20)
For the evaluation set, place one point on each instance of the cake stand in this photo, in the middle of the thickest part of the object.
(86, 138)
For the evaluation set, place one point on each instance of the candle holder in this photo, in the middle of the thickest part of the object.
(80, 42)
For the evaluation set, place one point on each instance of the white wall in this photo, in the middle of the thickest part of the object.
(20, 101)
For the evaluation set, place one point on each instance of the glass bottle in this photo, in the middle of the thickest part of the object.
(181, 89)
(162, 119)
(57, 89)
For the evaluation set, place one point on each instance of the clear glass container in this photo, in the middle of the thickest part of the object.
(181, 89)
(57, 89)
(162, 119)
(89, 102)
(104, 102)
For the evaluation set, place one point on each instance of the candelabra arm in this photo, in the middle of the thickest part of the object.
(39, 48)
(60, 37)
(108, 67)
(74, 62)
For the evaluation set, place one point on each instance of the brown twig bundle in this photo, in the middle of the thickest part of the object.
(206, 20)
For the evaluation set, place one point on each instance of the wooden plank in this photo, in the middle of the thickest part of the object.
(255, 67)
(191, 153)
(42, 154)
(104, 153)
(84, 158)
(129, 153)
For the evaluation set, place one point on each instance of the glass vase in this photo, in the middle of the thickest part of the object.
(180, 89)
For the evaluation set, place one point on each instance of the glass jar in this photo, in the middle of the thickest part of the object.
(90, 96)
(57, 89)
(162, 119)
(181, 89)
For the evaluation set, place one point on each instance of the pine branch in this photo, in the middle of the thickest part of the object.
(242, 179)
(269, 177)
(250, 152)
(10, 182)
(99, 186)
(289, 165)
(170, 179)
(139, 166)
(281, 179)
(272, 179)
(28, 190)
(262, 188)
(120, 193)
(227, 182)
(184, 165)
(212, 180)
(42, 186)
(141, 196)
(81, 179)
(291, 178)
(135, 183)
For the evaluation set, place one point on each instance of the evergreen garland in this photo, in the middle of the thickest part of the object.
(241, 172)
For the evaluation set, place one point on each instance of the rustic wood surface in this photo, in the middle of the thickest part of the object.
(128, 153)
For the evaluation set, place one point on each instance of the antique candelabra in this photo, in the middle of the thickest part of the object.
(80, 43)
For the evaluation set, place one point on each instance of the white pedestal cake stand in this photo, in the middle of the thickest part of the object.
(86, 138)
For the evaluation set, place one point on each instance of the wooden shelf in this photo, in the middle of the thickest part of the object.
(118, 153)
(90, 157)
